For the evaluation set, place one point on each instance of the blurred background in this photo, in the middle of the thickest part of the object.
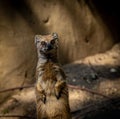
(85, 28)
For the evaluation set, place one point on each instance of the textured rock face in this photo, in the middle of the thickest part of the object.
(81, 33)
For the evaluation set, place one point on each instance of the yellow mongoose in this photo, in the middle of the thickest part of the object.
(51, 88)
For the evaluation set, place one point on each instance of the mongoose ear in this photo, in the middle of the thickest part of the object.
(55, 35)
(37, 39)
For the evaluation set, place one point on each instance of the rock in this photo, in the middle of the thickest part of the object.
(113, 70)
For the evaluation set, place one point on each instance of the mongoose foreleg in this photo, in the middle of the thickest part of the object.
(40, 93)
(59, 86)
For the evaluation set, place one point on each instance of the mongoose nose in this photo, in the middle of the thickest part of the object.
(49, 46)
(46, 48)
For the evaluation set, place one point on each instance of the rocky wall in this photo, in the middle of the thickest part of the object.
(81, 30)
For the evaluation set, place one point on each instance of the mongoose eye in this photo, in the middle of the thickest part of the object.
(37, 41)
(43, 43)
(52, 42)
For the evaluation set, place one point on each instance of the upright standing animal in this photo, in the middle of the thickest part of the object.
(51, 88)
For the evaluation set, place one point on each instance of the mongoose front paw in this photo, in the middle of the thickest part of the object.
(43, 99)
(59, 86)
(57, 94)
(43, 96)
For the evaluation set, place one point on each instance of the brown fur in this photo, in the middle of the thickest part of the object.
(51, 91)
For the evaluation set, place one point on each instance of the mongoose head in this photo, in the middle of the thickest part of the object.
(46, 44)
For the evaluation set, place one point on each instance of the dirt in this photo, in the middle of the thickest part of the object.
(100, 73)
